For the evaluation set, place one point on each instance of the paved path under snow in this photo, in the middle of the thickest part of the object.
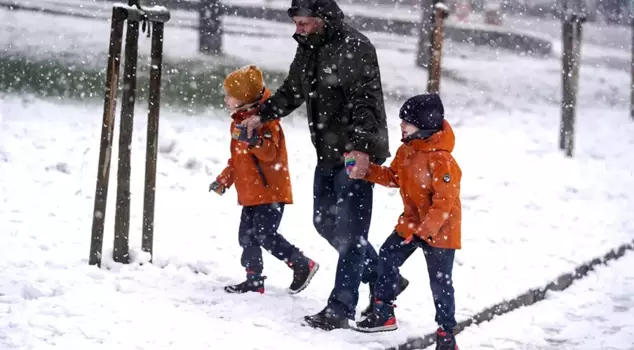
(596, 312)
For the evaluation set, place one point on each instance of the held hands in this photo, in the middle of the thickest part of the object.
(357, 164)
(251, 124)
(240, 134)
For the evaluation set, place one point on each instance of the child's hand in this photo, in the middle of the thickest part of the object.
(217, 187)
(240, 134)
(409, 239)
(350, 163)
(360, 163)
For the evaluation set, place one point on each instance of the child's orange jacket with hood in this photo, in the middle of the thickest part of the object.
(260, 173)
(429, 181)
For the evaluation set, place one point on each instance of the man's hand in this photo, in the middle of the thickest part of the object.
(251, 123)
(361, 164)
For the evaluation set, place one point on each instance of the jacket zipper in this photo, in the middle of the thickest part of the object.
(259, 169)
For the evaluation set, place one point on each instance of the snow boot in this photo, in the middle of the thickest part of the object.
(402, 285)
(253, 283)
(381, 319)
(327, 320)
(445, 340)
(303, 272)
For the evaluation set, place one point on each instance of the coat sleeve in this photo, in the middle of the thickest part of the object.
(363, 91)
(268, 148)
(386, 175)
(446, 177)
(289, 96)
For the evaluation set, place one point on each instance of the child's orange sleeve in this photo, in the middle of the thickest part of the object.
(386, 175)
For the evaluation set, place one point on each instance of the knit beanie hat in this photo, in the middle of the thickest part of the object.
(245, 84)
(425, 111)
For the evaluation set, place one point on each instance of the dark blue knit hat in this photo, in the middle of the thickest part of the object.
(425, 111)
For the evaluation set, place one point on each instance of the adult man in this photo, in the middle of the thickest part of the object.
(335, 71)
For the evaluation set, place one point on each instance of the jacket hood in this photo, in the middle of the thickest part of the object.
(443, 140)
(328, 10)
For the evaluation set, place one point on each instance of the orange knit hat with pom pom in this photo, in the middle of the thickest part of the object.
(245, 84)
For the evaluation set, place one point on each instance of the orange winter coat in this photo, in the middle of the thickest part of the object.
(429, 181)
(259, 173)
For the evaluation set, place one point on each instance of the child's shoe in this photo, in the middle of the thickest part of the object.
(381, 319)
(254, 283)
(402, 284)
(445, 340)
(303, 271)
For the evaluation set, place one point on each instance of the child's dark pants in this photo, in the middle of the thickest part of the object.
(258, 229)
(395, 252)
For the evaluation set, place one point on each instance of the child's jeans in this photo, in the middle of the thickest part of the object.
(395, 252)
(258, 229)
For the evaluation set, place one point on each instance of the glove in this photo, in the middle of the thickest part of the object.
(350, 163)
(217, 187)
(361, 164)
(240, 134)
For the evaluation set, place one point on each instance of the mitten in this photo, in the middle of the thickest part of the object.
(240, 134)
(350, 163)
(217, 187)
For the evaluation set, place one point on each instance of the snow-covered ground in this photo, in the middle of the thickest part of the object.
(529, 212)
(595, 313)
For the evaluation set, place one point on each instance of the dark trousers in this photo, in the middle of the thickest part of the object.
(395, 252)
(258, 229)
(342, 211)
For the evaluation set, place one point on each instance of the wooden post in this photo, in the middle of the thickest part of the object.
(152, 138)
(133, 14)
(571, 59)
(210, 27)
(107, 128)
(425, 30)
(632, 83)
(122, 215)
(567, 33)
(434, 68)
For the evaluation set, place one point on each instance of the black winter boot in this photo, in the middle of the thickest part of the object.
(327, 320)
(253, 283)
(303, 271)
(381, 319)
(445, 340)
(402, 285)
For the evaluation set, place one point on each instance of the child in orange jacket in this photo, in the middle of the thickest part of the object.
(429, 180)
(259, 169)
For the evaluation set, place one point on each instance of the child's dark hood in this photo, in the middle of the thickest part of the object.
(328, 10)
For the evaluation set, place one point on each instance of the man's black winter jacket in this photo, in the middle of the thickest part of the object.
(339, 79)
